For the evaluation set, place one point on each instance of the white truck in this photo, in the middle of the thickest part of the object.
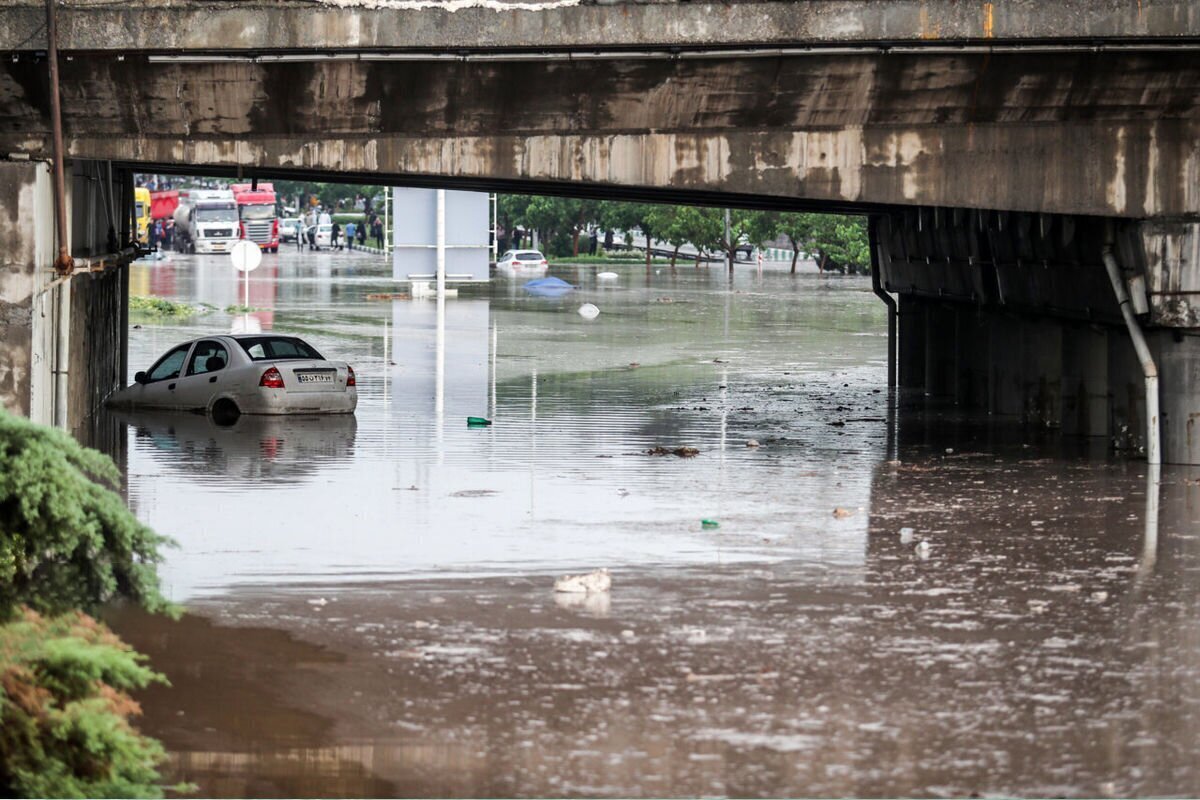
(206, 221)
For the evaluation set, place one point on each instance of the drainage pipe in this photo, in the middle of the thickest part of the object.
(1153, 446)
(63, 262)
(877, 287)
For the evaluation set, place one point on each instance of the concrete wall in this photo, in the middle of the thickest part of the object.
(54, 373)
(152, 25)
(25, 196)
(1114, 133)
(1015, 315)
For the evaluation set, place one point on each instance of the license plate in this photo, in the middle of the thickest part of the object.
(314, 377)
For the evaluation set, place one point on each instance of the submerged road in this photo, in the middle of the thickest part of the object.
(370, 604)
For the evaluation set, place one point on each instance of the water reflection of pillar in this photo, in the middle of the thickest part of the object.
(439, 384)
(263, 289)
(495, 349)
(532, 439)
(1150, 535)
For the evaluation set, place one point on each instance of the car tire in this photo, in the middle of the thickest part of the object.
(225, 412)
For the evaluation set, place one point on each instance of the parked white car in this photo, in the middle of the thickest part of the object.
(522, 264)
(229, 375)
(319, 236)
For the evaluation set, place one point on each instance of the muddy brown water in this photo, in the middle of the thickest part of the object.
(370, 604)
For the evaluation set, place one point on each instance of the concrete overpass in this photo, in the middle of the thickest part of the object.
(998, 145)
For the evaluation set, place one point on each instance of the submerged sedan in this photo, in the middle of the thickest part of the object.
(244, 374)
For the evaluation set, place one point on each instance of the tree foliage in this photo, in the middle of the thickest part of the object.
(66, 538)
(65, 711)
(836, 242)
(68, 542)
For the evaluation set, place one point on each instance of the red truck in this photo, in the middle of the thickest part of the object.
(163, 204)
(256, 210)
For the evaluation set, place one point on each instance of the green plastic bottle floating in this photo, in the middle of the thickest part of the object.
(478, 422)
(709, 523)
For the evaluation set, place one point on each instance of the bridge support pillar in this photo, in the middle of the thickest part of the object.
(61, 343)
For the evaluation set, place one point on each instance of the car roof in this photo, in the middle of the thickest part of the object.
(240, 336)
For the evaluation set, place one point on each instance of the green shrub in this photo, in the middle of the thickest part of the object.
(66, 538)
(157, 307)
(65, 710)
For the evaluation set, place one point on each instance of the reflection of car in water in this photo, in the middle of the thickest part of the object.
(253, 447)
(244, 374)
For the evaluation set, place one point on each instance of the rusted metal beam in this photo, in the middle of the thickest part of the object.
(63, 263)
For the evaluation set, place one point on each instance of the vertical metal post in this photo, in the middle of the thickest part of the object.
(441, 245)
(495, 227)
(728, 241)
(387, 220)
(63, 263)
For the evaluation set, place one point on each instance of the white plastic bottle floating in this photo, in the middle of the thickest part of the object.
(923, 549)
(906, 535)
(588, 311)
(606, 276)
(591, 582)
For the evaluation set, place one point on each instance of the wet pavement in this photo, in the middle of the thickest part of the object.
(370, 603)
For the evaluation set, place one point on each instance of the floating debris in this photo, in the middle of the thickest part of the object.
(752, 443)
(907, 535)
(923, 549)
(682, 452)
(591, 582)
(588, 311)
(842, 513)
(709, 523)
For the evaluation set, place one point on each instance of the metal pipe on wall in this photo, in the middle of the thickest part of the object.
(63, 262)
(1149, 369)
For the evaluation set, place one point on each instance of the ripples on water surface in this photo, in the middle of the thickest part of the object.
(370, 595)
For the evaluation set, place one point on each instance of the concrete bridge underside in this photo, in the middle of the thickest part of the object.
(998, 145)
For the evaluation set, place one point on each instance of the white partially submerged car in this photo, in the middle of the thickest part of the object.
(229, 375)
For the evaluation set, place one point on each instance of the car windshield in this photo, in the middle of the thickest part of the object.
(258, 212)
(272, 348)
(228, 214)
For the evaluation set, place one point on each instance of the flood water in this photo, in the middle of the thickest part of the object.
(370, 598)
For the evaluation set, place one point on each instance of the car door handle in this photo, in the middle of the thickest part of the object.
(213, 379)
(171, 386)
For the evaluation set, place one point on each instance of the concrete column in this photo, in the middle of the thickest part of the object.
(972, 359)
(26, 241)
(1177, 355)
(912, 343)
(940, 345)
(1084, 389)
(1005, 383)
(1041, 344)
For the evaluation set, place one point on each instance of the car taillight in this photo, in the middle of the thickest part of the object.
(543, 262)
(271, 379)
(350, 376)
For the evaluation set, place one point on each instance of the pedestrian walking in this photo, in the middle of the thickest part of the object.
(334, 234)
(378, 231)
(593, 241)
(350, 227)
(362, 235)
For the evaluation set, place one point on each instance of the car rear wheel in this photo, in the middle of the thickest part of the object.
(225, 412)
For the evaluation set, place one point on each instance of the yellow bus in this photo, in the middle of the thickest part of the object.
(141, 197)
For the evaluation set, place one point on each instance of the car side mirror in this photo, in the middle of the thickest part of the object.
(141, 378)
